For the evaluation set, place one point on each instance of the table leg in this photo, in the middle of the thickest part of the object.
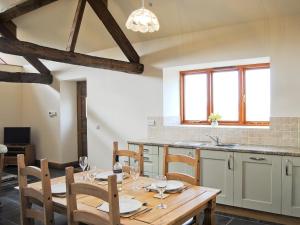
(209, 213)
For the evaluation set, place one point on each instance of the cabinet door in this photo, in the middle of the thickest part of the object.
(257, 182)
(217, 172)
(291, 186)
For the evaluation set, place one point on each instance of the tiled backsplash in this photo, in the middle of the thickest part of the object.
(283, 131)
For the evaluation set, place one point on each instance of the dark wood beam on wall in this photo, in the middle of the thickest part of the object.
(27, 49)
(8, 30)
(76, 25)
(25, 77)
(23, 8)
(113, 28)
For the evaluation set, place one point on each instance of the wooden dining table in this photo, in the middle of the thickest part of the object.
(181, 206)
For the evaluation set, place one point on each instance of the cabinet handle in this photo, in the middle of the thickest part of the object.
(190, 154)
(287, 167)
(146, 150)
(229, 162)
(258, 158)
(147, 159)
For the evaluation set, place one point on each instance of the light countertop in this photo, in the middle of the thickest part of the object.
(258, 149)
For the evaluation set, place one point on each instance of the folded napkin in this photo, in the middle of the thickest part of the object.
(3, 149)
(152, 188)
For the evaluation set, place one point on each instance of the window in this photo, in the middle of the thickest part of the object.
(240, 94)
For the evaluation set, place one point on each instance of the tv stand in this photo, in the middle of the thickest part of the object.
(15, 149)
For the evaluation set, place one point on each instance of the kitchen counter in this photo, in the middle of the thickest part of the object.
(258, 149)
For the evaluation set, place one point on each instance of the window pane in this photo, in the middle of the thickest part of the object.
(226, 95)
(258, 95)
(195, 97)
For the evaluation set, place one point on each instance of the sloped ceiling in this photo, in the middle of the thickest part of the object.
(51, 24)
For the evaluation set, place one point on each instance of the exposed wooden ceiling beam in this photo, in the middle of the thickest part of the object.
(27, 49)
(25, 77)
(23, 8)
(7, 30)
(113, 28)
(76, 25)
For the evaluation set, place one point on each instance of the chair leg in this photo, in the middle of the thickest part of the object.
(209, 213)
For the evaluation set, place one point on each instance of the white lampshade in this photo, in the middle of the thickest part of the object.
(142, 20)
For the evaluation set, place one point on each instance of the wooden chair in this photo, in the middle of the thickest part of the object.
(29, 195)
(76, 216)
(194, 162)
(138, 156)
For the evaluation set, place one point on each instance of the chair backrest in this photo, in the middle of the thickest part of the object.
(138, 156)
(76, 215)
(193, 162)
(29, 195)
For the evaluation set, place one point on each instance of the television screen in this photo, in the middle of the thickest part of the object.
(16, 135)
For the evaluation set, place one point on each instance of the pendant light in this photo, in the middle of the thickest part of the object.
(142, 20)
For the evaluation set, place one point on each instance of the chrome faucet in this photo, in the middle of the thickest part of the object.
(215, 139)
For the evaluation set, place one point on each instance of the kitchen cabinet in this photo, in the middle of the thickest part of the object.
(291, 186)
(257, 182)
(216, 169)
(151, 159)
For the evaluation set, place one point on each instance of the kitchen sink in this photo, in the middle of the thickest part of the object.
(191, 143)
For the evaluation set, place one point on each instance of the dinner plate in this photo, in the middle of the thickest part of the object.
(126, 205)
(58, 188)
(172, 185)
(104, 175)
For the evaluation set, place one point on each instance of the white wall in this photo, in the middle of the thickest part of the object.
(38, 100)
(120, 103)
(277, 39)
(68, 121)
(10, 101)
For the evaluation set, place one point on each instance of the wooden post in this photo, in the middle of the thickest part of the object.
(165, 160)
(47, 194)
(141, 159)
(209, 213)
(71, 198)
(197, 166)
(113, 200)
(23, 184)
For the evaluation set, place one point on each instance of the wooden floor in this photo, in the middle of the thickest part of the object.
(9, 214)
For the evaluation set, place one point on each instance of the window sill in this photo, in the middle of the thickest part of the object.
(218, 127)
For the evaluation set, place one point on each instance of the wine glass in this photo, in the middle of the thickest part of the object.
(161, 185)
(92, 172)
(83, 162)
(135, 173)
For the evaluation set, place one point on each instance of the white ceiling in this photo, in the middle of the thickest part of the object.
(50, 25)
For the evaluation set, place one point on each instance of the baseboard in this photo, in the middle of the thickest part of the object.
(258, 215)
(55, 165)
